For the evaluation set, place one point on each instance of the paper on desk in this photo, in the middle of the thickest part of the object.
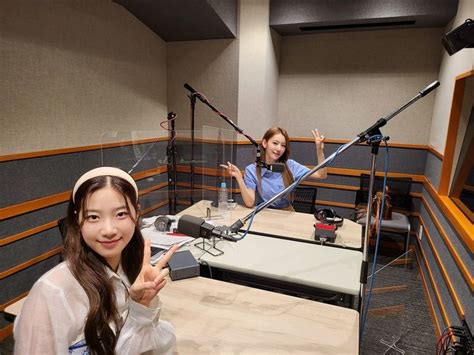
(162, 239)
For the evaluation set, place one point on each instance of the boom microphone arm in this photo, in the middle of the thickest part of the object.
(239, 130)
(361, 137)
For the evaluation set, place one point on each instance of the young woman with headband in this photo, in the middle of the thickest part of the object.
(103, 299)
(259, 184)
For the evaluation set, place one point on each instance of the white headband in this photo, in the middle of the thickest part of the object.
(104, 171)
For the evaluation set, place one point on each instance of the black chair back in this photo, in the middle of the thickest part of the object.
(62, 228)
(304, 199)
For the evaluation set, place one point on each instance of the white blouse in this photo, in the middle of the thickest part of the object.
(54, 314)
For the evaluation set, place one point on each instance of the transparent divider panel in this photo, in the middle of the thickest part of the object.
(172, 173)
(202, 180)
(393, 305)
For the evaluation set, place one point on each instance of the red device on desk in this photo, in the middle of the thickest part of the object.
(325, 232)
(176, 234)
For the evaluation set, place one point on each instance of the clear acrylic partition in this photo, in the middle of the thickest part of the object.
(394, 305)
(148, 156)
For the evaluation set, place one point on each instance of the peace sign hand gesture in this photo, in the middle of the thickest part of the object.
(318, 139)
(151, 279)
(233, 170)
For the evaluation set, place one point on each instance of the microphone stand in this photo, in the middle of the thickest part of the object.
(170, 153)
(364, 136)
(205, 101)
(192, 97)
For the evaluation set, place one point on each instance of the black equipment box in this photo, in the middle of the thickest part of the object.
(183, 265)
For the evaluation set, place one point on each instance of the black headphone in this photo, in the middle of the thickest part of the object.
(163, 223)
(328, 216)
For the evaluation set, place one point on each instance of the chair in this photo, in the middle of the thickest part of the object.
(304, 199)
(62, 228)
(399, 189)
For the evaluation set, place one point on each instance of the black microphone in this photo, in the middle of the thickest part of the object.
(197, 228)
(429, 88)
(195, 93)
(187, 86)
(276, 168)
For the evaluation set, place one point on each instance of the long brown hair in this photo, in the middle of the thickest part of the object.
(89, 268)
(287, 175)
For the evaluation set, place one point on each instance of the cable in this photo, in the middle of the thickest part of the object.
(250, 224)
(374, 263)
(455, 340)
(174, 134)
(208, 266)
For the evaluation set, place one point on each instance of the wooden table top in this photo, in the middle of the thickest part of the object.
(279, 223)
(215, 317)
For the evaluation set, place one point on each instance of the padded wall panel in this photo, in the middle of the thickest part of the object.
(460, 285)
(29, 179)
(16, 253)
(458, 244)
(430, 290)
(335, 195)
(433, 169)
(440, 284)
(17, 224)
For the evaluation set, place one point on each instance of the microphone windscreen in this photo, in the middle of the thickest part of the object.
(277, 167)
(429, 88)
(190, 225)
(187, 86)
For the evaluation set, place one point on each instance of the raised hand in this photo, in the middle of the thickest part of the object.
(318, 139)
(151, 279)
(233, 170)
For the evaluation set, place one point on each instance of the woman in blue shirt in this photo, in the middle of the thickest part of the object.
(260, 184)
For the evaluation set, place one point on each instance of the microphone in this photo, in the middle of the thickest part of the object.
(276, 168)
(194, 92)
(429, 88)
(187, 86)
(197, 228)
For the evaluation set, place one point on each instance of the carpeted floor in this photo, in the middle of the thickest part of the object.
(398, 311)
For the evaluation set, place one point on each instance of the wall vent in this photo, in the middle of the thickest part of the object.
(357, 26)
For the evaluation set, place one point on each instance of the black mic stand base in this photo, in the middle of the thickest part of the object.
(209, 247)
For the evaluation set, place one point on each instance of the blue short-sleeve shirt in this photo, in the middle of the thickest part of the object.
(272, 183)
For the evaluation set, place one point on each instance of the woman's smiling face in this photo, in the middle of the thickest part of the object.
(274, 148)
(106, 224)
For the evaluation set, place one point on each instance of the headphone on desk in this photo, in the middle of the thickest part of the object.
(163, 223)
(328, 216)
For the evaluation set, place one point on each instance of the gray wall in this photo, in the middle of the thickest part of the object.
(210, 67)
(258, 69)
(72, 70)
(451, 66)
(439, 256)
(343, 82)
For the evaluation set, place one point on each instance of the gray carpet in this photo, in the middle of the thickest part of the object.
(400, 316)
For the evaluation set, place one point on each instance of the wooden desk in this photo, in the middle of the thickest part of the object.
(214, 317)
(13, 310)
(280, 223)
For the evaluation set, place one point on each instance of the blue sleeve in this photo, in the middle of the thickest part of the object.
(297, 169)
(250, 177)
